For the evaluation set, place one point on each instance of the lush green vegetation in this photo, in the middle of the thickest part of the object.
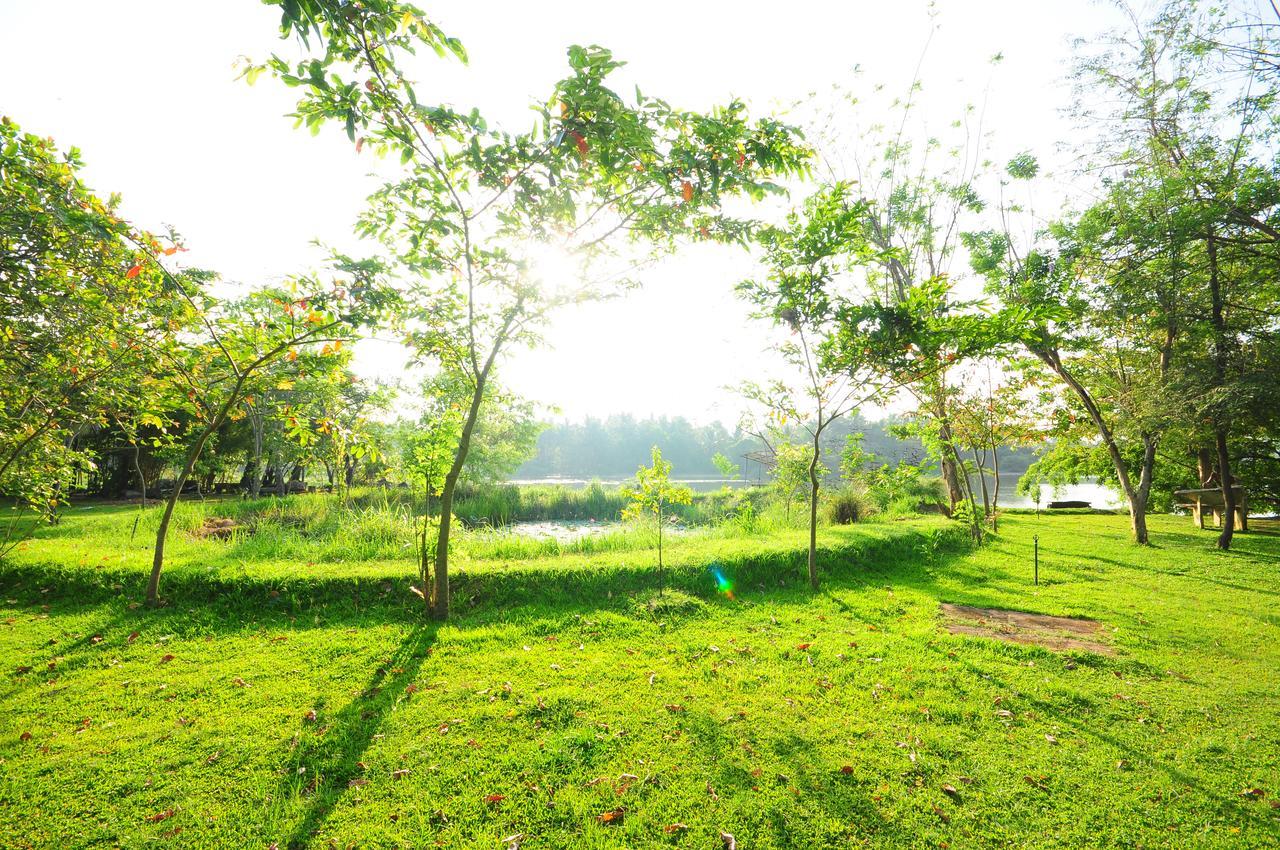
(305, 703)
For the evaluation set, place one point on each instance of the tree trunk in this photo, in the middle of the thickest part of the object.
(813, 512)
(950, 474)
(1220, 353)
(440, 585)
(662, 583)
(981, 469)
(1137, 499)
(995, 493)
(157, 559)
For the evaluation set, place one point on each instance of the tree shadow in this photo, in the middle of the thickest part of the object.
(324, 760)
(1062, 718)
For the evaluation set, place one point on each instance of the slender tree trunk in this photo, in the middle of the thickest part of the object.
(1136, 498)
(1220, 345)
(662, 579)
(440, 586)
(995, 493)
(157, 559)
(813, 512)
(948, 468)
(981, 469)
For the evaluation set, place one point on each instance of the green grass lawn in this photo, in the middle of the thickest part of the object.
(278, 701)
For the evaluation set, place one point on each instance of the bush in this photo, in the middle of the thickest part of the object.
(847, 507)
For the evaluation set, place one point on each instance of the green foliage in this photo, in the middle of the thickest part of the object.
(85, 317)
(724, 466)
(653, 494)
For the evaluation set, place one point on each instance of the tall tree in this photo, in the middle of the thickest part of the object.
(82, 315)
(481, 216)
(805, 260)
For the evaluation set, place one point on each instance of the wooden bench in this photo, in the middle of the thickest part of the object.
(1211, 498)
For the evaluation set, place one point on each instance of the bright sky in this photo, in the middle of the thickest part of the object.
(147, 90)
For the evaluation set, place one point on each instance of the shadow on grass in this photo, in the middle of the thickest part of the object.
(357, 599)
(1067, 718)
(325, 759)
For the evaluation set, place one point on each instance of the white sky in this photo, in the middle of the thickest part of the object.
(147, 90)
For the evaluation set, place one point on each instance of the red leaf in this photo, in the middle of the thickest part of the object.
(25, 736)
(803, 646)
(686, 191)
(673, 828)
(846, 769)
(359, 144)
(132, 637)
(167, 657)
(159, 816)
(578, 140)
(494, 799)
(614, 816)
(742, 157)
(133, 272)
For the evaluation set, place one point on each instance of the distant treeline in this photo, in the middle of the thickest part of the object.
(615, 446)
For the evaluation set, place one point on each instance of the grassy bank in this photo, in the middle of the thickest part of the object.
(302, 703)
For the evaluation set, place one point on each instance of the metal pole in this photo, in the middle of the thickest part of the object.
(1036, 538)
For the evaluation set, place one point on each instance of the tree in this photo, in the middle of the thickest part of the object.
(652, 494)
(917, 187)
(804, 261)
(726, 467)
(82, 316)
(1154, 307)
(241, 338)
(480, 214)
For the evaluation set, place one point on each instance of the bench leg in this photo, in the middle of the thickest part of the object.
(1197, 516)
(1217, 518)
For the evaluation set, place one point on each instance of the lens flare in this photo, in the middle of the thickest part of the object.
(723, 584)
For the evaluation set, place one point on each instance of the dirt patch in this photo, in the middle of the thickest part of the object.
(217, 528)
(1059, 634)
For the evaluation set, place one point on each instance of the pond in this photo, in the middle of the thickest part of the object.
(1089, 490)
(569, 530)
(700, 485)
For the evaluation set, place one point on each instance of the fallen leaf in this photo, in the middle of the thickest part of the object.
(412, 689)
(1004, 712)
(803, 646)
(674, 707)
(310, 716)
(1050, 739)
(167, 657)
(730, 843)
(241, 682)
(672, 828)
(159, 816)
(400, 774)
(25, 736)
(950, 791)
(494, 799)
(211, 759)
(132, 637)
(613, 816)
(1253, 793)
(357, 782)
(846, 769)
